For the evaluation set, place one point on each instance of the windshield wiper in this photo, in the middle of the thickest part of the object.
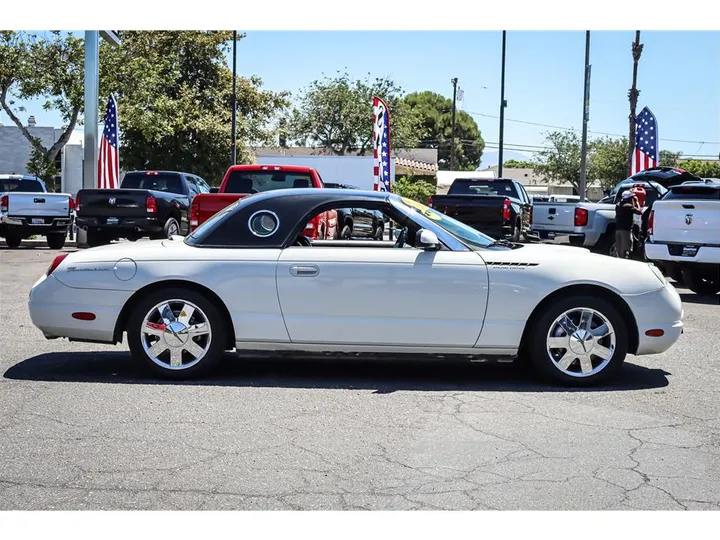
(502, 242)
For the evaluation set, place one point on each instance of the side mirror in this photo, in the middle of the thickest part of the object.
(214, 190)
(427, 240)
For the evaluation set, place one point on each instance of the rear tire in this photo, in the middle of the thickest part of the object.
(516, 232)
(380, 232)
(171, 228)
(56, 240)
(95, 239)
(576, 364)
(346, 232)
(701, 283)
(146, 330)
(13, 242)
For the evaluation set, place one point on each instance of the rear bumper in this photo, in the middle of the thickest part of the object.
(657, 310)
(124, 227)
(24, 226)
(660, 251)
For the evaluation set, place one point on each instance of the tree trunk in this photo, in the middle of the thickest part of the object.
(633, 97)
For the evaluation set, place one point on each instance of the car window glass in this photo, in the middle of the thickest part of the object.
(358, 224)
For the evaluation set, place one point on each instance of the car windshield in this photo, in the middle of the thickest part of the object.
(11, 184)
(472, 238)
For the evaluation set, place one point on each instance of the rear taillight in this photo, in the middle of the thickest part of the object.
(56, 262)
(506, 209)
(431, 200)
(4, 203)
(77, 203)
(581, 217)
(194, 214)
(71, 204)
(151, 205)
(651, 222)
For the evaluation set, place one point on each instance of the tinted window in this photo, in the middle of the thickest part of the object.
(156, 182)
(32, 186)
(694, 192)
(259, 181)
(503, 188)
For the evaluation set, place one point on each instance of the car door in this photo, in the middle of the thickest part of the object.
(382, 296)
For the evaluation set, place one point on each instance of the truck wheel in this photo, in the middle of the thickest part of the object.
(56, 240)
(13, 241)
(578, 340)
(346, 232)
(380, 232)
(701, 283)
(516, 232)
(95, 239)
(675, 273)
(171, 228)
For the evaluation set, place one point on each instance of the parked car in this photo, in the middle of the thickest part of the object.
(358, 222)
(28, 209)
(442, 288)
(592, 225)
(499, 207)
(153, 204)
(241, 181)
(684, 235)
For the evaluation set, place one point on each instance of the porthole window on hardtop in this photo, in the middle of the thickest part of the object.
(263, 223)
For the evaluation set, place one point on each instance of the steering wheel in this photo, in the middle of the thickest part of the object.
(402, 237)
(303, 240)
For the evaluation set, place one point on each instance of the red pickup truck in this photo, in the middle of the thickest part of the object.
(244, 180)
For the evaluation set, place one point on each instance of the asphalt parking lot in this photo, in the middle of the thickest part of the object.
(82, 428)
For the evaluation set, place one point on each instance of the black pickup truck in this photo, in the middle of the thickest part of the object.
(498, 207)
(357, 222)
(153, 204)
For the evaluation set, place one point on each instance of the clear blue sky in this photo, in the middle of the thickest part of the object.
(678, 78)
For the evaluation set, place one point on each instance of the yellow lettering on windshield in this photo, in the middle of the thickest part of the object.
(424, 210)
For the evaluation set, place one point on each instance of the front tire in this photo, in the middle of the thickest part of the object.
(176, 333)
(578, 340)
(56, 240)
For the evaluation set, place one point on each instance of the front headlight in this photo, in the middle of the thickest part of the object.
(658, 273)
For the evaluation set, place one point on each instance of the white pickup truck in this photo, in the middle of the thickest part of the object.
(684, 235)
(28, 209)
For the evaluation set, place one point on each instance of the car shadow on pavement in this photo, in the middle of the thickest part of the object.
(708, 300)
(381, 376)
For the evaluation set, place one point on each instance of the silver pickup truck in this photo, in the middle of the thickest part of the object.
(591, 225)
(28, 209)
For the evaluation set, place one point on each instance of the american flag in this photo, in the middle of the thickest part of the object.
(646, 142)
(109, 158)
(381, 145)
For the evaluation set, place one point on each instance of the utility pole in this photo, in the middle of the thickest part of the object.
(586, 118)
(452, 148)
(503, 104)
(234, 101)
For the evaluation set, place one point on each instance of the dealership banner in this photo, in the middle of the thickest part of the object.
(381, 145)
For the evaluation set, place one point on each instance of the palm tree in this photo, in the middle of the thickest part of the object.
(633, 96)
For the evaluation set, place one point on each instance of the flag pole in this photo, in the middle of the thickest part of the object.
(586, 118)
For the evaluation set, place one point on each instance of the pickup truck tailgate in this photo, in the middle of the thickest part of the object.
(556, 217)
(113, 202)
(38, 204)
(477, 211)
(687, 221)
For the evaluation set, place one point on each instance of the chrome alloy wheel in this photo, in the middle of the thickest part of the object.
(172, 230)
(581, 342)
(175, 334)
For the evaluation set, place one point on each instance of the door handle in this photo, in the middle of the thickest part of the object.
(304, 270)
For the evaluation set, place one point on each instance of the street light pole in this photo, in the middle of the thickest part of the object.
(452, 148)
(503, 104)
(586, 118)
(234, 101)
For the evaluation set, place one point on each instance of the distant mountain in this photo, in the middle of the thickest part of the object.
(490, 159)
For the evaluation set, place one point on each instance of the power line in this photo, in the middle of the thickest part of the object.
(590, 131)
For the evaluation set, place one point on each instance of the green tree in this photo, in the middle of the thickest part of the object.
(417, 190)
(50, 66)
(174, 95)
(668, 158)
(515, 164)
(335, 113)
(703, 169)
(561, 161)
(607, 160)
(433, 113)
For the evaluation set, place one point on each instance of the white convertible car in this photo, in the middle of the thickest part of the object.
(249, 280)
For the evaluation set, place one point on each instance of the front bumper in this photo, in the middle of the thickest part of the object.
(51, 305)
(657, 310)
(24, 226)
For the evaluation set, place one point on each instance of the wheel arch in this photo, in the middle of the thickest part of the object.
(595, 290)
(158, 285)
